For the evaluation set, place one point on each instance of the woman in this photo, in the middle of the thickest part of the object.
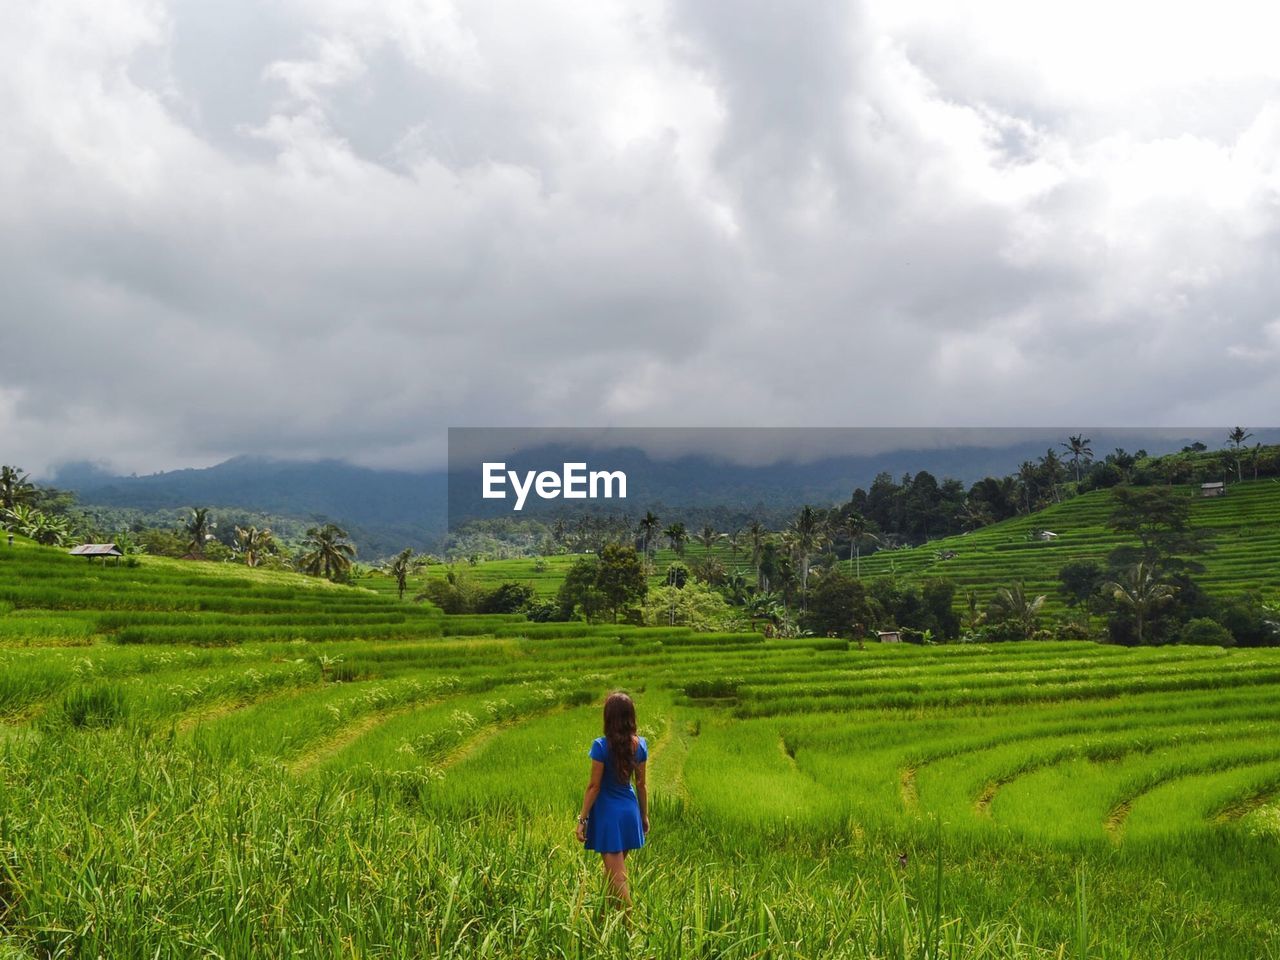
(615, 818)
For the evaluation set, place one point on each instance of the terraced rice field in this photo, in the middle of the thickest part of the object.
(203, 762)
(1244, 530)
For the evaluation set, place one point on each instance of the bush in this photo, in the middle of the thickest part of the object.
(696, 606)
(505, 598)
(1249, 621)
(1072, 630)
(1207, 633)
(542, 611)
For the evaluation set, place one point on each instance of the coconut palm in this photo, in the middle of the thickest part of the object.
(808, 536)
(677, 536)
(857, 528)
(649, 525)
(1028, 474)
(973, 515)
(251, 544)
(1237, 437)
(756, 536)
(329, 553)
(15, 488)
(1014, 604)
(1078, 447)
(197, 528)
(1051, 468)
(708, 536)
(402, 565)
(734, 540)
(1141, 591)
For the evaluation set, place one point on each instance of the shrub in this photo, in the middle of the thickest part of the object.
(505, 598)
(1205, 632)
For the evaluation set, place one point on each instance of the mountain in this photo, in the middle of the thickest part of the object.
(700, 482)
(387, 510)
(383, 510)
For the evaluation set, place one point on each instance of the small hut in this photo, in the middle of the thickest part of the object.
(1047, 535)
(1216, 489)
(889, 636)
(102, 550)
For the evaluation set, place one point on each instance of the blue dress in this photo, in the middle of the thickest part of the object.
(614, 825)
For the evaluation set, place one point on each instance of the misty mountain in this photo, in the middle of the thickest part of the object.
(387, 510)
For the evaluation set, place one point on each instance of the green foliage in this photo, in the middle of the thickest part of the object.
(1081, 581)
(578, 595)
(695, 605)
(1160, 519)
(620, 577)
(1206, 632)
(506, 598)
(838, 605)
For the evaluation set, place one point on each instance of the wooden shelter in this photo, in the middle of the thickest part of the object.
(1216, 489)
(889, 636)
(102, 550)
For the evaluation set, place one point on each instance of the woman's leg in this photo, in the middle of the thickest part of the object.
(615, 869)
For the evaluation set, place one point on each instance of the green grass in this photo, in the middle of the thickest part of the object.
(286, 768)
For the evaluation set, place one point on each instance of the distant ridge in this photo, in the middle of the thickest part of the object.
(392, 509)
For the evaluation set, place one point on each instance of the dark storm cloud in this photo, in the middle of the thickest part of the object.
(336, 229)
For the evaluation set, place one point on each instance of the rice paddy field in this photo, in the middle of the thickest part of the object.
(198, 760)
(1243, 529)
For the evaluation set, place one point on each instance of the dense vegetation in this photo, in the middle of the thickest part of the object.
(203, 759)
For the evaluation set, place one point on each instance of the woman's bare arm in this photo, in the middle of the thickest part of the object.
(589, 797)
(642, 795)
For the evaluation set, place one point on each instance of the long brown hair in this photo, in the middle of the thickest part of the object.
(620, 733)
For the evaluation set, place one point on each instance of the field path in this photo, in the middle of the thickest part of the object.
(188, 720)
(331, 746)
(672, 749)
(907, 787)
(1247, 804)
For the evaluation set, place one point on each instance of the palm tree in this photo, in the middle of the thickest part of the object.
(808, 537)
(1124, 461)
(1014, 604)
(252, 544)
(1051, 466)
(15, 488)
(1237, 437)
(1078, 447)
(197, 528)
(1028, 473)
(735, 545)
(400, 567)
(756, 537)
(857, 528)
(649, 525)
(737, 586)
(1141, 591)
(973, 515)
(677, 536)
(329, 554)
(708, 536)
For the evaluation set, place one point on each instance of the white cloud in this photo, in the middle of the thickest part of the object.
(337, 228)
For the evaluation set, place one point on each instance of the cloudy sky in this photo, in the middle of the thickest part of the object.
(336, 227)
